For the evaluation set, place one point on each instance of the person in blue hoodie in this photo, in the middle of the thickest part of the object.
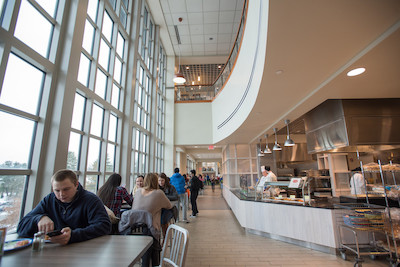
(79, 214)
(179, 183)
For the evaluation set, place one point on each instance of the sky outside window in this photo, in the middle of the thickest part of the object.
(33, 29)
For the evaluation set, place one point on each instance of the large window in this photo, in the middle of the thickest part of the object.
(24, 89)
(160, 111)
(143, 95)
(95, 144)
(88, 107)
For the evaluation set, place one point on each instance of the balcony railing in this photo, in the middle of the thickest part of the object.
(207, 93)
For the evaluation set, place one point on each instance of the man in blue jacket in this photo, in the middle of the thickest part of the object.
(179, 183)
(79, 214)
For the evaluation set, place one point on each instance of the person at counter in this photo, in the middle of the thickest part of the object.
(357, 183)
(268, 176)
(79, 214)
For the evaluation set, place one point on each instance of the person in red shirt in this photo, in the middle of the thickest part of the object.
(112, 194)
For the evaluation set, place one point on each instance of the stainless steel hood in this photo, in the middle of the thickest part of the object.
(350, 125)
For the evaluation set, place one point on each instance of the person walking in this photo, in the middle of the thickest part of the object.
(178, 181)
(195, 186)
(213, 183)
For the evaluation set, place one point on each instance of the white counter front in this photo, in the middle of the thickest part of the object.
(306, 226)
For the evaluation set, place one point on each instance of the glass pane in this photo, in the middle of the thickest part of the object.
(126, 3)
(33, 29)
(49, 6)
(107, 27)
(96, 123)
(93, 155)
(117, 70)
(115, 96)
(88, 36)
(144, 145)
(141, 73)
(12, 191)
(92, 9)
(138, 114)
(84, 68)
(20, 93)
(145, 117)
(101, 84)
(112, 129)
(120, 45)
(113, 3)
(137, 165)
(147, 83)
(140, 97)
(137, 147)
(110, 158)
(146, 102)
(78, 113)
(73, 151)
(104, 55)
(15, 142)
(91, 183)
(122, 17)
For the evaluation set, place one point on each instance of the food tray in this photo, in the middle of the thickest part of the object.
(354, 206)
(17, 244)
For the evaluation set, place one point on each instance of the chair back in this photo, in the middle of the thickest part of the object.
(175, 247)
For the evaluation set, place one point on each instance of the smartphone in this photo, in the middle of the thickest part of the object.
(54, 233)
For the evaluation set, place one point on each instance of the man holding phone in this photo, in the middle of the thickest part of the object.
(76, 214)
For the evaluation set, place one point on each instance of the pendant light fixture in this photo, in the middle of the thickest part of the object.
(178, 77)
(260, 152)
(267, 150)
(289, 141)
(276, 146)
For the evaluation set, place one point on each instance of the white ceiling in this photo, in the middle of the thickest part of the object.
(208, 27)
(313, 43)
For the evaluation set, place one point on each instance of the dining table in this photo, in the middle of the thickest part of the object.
(108, 250)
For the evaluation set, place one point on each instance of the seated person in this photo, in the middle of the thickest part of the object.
(150, 198)
(79, 214)
(138, 184)
(113, 194)
(172, 195)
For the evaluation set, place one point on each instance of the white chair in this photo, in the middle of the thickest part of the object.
(175, 247)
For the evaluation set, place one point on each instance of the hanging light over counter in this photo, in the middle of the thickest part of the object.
(260, 152)
(289, 141)
(276, 146)
(267, 150)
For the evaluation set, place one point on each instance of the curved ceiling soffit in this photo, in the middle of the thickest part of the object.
(250, 78)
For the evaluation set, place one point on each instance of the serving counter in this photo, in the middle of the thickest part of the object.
(309, 226)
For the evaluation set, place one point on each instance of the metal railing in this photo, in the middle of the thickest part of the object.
(207, 93)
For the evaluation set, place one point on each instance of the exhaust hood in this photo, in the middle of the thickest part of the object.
(351, 125)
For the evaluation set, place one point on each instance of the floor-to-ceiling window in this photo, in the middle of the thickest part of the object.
(66, 93)
(29, 41)
(143, 94)
(94, 143)
(160, 112)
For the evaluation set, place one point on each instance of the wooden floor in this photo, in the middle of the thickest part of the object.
(217, 239)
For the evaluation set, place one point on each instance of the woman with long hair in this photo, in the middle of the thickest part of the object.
(171, 193)
(112, 194)
(138, 184)
(150, 198)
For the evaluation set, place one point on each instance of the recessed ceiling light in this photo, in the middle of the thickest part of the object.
(356, 72)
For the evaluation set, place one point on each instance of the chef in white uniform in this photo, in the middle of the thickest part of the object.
(357, 184)
(268, 176)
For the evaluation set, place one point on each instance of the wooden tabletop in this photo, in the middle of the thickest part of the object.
(109, 250)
